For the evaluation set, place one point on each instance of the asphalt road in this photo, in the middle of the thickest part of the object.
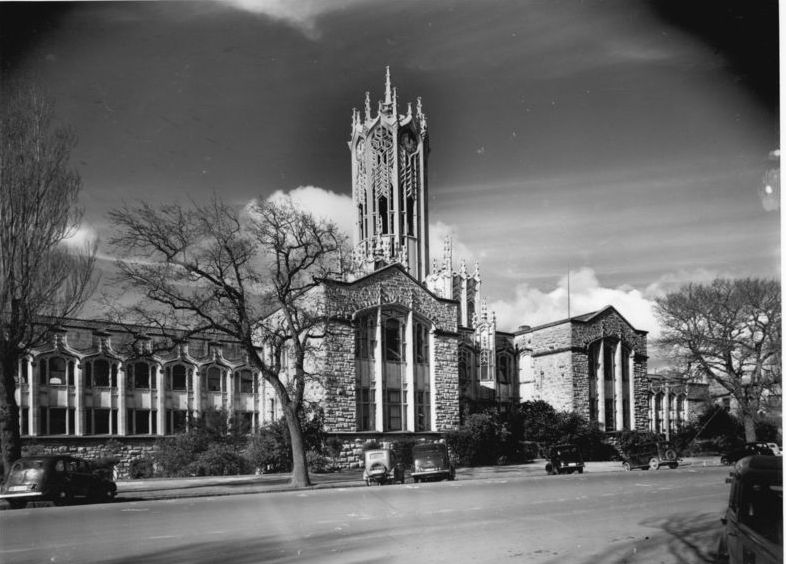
(669, 516)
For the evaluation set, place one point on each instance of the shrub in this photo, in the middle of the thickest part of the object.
(317, 462)
(140, 468)
(479, 441)
(219, 460)
(270, 449)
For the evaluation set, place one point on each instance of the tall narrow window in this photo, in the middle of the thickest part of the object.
(57, 371)
(393, 340)
(101, 373)
(213, 379)
(178, 377)
(383, 215)
(394, 422)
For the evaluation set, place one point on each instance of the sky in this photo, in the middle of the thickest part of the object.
(620, 148)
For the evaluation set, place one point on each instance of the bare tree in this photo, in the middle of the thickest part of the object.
(249, 274)
(41, 279)
(730, 332)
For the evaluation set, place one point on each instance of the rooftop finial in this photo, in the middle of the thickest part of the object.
(387, 85)
(395, 103)
(420, 107)
(368, 106)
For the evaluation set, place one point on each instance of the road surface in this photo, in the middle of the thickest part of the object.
(669, 516)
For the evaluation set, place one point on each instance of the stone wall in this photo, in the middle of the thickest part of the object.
(554, 380)
(339, 378)
(125, 449)
(446, 394)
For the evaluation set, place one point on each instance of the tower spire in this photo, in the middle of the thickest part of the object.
(387, 85)
(368, 106)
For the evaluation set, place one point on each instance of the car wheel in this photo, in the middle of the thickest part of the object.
(670, 454)
(673, 465)
(581, 470)
(17, 504)
(64, 497)
(654, 465)
(549, 469)
(725, 460)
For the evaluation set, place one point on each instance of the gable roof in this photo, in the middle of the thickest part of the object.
(583, 318)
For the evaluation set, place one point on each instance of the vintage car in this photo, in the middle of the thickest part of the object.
(58, 479)
(432, 462)
(381, 467)
(650, 456)
(565, 459)
(731, 456)
(753, 522)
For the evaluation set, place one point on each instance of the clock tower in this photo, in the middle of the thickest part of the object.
(389, 185)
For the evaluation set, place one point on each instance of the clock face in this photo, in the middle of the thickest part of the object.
(408, 140)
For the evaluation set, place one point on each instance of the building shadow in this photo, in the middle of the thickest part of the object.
(681, 539)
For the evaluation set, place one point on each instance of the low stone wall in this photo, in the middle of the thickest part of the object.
(125, 449)
(352, 444)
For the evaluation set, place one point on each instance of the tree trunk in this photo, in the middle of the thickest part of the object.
(10, 439)
(750, 427)
(300, 477)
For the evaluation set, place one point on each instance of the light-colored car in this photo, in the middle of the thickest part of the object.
(381, 467)
(753, 523)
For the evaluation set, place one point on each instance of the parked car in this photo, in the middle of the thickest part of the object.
(565, 459)
(56, 478)
(381, 467)
(753, 522)
(650, 456)
(775, 448)
(748, 449)
(431, 462)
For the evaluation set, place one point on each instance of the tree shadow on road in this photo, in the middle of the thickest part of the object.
(339, 546)
(681, 539)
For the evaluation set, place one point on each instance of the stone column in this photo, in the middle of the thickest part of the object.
(619, 405)
(79, 399)
(379, 362)
(122, 390)
(632, 390)
(653, 412)
(409, 376)
(600, 378)
(197, 405)
(32, 395)
(161, 400)
(665, 407)
(230, 391)
(432, 378)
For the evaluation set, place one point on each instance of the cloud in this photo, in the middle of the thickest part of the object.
(300, 14)
(338, 208)
(323, 204)
(82, 238)
(531, 306)
(438, 232)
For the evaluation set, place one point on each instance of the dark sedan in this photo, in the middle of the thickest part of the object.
(55, 478)
(749, 449)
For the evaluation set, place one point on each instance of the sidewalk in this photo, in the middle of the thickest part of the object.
(174, 488)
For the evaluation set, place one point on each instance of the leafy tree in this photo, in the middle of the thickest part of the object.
(248, 274)
(41, 279)
(729, 332)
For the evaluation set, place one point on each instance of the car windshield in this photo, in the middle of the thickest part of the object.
(376, 455)
(26, 464)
